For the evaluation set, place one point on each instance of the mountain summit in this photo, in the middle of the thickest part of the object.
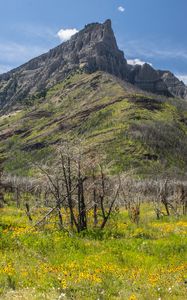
(92, 49)
(85, 89)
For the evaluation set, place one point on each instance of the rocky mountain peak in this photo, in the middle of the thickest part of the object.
(91, 49)
(156, 81)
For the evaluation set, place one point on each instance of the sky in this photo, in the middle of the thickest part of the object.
(153, 31)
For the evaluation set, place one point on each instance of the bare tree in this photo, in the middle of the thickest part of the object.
(1, 190)
(78, 184)
(107, 197)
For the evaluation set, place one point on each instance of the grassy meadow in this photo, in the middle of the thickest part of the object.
(124, 261)
(135, 131)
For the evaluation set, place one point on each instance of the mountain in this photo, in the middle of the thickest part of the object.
(85, 89)
(156, 81)
(135, 130)
(92, 49)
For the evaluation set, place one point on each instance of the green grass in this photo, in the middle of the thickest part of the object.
(122, 262)
(143, 132)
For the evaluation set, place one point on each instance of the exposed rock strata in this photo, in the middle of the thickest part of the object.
(93, 48)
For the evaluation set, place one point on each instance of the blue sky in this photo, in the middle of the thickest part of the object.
(154, 31)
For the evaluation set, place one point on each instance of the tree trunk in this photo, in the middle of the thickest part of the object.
(95, 210)
(28, 212)
(82, 207)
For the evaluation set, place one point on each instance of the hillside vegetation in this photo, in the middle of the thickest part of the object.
(139, 131)
(122, 262)
(93, 190)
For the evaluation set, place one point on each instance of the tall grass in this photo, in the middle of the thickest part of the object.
(122, 262)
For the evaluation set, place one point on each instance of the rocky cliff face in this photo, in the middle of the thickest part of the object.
(174, 85)
(157, 81)
(93, 48)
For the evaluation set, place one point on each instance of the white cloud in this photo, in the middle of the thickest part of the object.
(137, 61)
(121, 8)
(183, 78)
(65, 34)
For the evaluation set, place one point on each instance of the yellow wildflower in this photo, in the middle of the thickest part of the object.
(133, 297)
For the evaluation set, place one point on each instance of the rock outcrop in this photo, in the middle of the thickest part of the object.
(174, 85)
(91, 49)
(156, 81)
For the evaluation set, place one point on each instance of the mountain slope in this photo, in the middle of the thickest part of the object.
(137, 131)
(157, 81)
(93, 48)
(85, 89)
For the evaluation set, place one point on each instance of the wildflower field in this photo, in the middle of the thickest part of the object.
(124, 261)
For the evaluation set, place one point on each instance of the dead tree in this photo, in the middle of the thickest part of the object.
(107, 202)
(78, 187)
(164, 196)
(182, 197)
(66, 165)
(82, 219)
(131, 192)
(66, 179)
(95, 202)
(1, 190)
(54, 185)
(28, 213)
(73, 180)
